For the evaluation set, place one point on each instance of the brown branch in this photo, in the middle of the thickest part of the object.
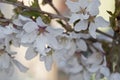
(58, 15)
(98, 31)
(33, 9)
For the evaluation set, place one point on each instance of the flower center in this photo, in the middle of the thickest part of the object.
(91, 19)
(1, 52)
(42, 29)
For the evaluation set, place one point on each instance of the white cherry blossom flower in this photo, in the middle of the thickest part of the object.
(4, 60)
(72, 66)
(21, 20)
(115, 76)
(82, 9)
(30, 53)
(81, 45)
(48, 61)
(78, 76)
(97, 22)
(7, 62)
(20, 66)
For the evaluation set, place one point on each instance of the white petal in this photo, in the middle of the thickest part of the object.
(93, 68)
(54, 32)
(92, 30)
(41, 43)
(78, 76)
(74, 35)
(4, 60)
(83, 59)
(8, 30)
(86, 75)
(47, 61)
(30, 26)
(52, 42)
(105, 71)
(76, 67)
(73, 6)
(2, 35)
(82, 45)
(30, 53)
(23, 18)
(40, 22)
(81, 25)
(74, 17)
(115, 76)
(100, 22)
(29, 37)
(21, 67)
(17, 22)
(10, 70)
(98, 46)
(95, 58)
(83, 3)
(92, 8)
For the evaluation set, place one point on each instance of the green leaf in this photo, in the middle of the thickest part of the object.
(46, 19)
(35, 4)
(34, 14)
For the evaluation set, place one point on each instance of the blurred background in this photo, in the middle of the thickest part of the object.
(37, 70)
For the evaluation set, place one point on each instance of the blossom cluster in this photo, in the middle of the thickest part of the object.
(71, 51)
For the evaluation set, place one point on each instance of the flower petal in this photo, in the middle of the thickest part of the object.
(105, 71)
(73, 6)
(92, 30)
(54, 32)
(95, 58)
(74, 17)
(4, 61)
(41, 43)
(86, 75)
(29, 37)
(92, 8)
(48, 61)
(93, 68)
(30, 53)
(10, 70)
(100, 22)
(52, 42)
(115, 76)
(21, 67)
(30, 26)
(98, 46)
(40, 22)
(81, 25)
(82, 45)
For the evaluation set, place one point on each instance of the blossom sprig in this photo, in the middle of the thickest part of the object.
(75, 48)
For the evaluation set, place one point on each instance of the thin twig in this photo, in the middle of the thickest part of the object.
(67, 27)
(33, 9)
(56, 10)
(98, 31)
